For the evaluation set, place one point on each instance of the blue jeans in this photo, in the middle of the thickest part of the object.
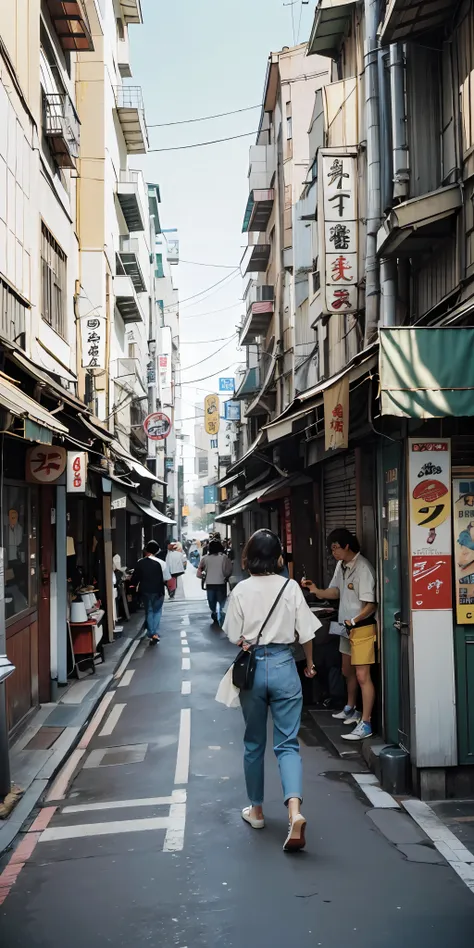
(153, 606)
(216, 596)
(277, 685)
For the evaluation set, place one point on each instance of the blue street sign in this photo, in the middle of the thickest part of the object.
(210, 494)
(232, 411)
(226, 385)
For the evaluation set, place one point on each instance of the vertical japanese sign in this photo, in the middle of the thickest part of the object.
(211, 414)
(93, 331)
(288, 532)
(76, 472)
(336, 415)
(338, 258)
(463, 529)
(429, 470)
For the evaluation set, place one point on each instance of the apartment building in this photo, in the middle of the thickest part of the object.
(80, 320)
(383, 298)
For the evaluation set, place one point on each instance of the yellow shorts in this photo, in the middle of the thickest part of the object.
(363, 645)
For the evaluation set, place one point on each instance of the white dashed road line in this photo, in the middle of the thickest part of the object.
(112, 719)
(126, 679)
(186, 688)
(186, 650)
(184, 748)
(186, 664)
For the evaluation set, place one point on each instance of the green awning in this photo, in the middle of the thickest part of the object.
(427, 373)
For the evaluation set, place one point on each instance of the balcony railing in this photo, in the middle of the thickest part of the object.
(129, 254)
(131, 112)
(62, 128)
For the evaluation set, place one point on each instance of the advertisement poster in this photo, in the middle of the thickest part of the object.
(463, 530)
(430, 523)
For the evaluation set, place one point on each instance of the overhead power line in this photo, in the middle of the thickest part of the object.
(212, 375)
(206, 290)
(211, 312)
(205, 118)
(217, 266)
(185, 368)
(215, 141)
(202, 342)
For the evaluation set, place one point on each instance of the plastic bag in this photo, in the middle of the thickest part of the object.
(227, 693)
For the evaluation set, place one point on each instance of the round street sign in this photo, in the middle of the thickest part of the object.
(157, 426)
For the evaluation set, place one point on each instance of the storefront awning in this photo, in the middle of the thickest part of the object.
(427, 373)
(254, 497)
(229, 480)
(132, 462)
(283, 426)
(40, 425)
(148, 508)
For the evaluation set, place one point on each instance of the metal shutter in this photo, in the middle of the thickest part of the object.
(339, 497)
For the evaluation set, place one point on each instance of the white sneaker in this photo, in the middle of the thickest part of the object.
(255, 824)
(359, 733)
(350, 716)
(353, 718)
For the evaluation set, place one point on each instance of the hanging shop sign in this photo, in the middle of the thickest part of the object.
(157, 426)
(169, 465)
(210, 495)
(93, 333)
(211, 414)
(463, 530)
(45, 464)
(338, 231)
(430, 523)
(288, 532)
(336, 415)
(76, 472)
(226, 385)
(232, 411)
(185, 511)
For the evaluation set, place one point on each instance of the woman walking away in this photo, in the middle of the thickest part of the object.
(175, 562)
(265, 611)
(217, 567)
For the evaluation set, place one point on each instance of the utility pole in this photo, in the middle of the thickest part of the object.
(6, 669)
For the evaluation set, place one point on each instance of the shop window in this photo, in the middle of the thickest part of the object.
(53, 282)
(19, 528)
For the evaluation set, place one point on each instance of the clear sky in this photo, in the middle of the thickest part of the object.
(194, 59)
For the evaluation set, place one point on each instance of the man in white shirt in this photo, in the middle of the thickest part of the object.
(353, 584)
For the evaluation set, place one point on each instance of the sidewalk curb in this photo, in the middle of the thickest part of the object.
(12, 826)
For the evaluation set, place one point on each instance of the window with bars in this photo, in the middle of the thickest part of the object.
(53, 282)
(12, 315)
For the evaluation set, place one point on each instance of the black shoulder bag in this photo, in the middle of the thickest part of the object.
(243, 671)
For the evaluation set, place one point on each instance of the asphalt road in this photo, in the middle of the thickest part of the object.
(171, 864)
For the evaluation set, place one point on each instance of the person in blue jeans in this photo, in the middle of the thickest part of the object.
(264, 612)
(150, 576)
(217, 568)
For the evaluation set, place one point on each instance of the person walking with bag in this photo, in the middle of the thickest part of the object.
(150, 576)
(217, 568)
(265, 613)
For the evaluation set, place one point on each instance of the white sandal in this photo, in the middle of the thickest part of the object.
(296, 838)
(255, 824)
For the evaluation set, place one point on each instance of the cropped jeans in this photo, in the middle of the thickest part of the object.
(276, 685)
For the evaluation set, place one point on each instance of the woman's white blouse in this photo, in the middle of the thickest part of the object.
(251, 602)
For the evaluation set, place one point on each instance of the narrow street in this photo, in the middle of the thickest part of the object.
(136, 853)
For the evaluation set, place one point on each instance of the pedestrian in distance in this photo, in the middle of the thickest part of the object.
(150, 576)
(175, 561)
(267, 612)
(217, 568)
(353, 584)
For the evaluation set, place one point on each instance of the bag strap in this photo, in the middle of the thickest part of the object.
(277, 600)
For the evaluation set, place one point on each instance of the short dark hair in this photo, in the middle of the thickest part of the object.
(344, 538)
(152, 547)
(262, 553)
(215, 547)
